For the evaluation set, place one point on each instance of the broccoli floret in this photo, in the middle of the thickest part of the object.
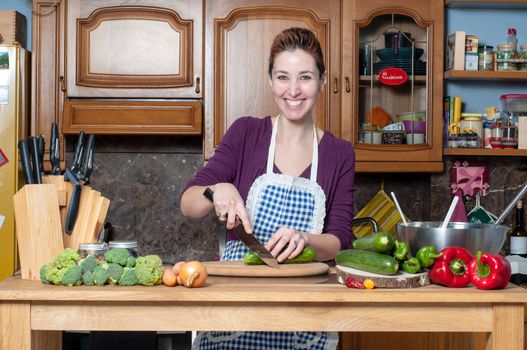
(100, 276)
(117, 256)
(87, 278)
(73, 276)
(128, 277)
(43, 278)
(149, 270)
(130, 262)
(55, 270)
(88, 263)
(114, 272)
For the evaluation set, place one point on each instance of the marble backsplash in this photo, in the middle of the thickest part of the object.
(144, 178)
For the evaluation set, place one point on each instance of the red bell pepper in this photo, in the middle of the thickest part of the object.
(489, 271)
(450, 268)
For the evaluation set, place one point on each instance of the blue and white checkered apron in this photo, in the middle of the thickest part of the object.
(275, 201)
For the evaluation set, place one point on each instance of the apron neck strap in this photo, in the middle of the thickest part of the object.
(272, 148)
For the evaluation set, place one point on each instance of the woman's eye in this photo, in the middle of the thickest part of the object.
(281, 77)
(305, 77)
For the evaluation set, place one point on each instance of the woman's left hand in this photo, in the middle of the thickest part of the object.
(286, 243)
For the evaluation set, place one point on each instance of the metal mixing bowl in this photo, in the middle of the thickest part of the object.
(485, 237)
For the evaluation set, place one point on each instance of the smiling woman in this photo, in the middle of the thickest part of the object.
(280, 167)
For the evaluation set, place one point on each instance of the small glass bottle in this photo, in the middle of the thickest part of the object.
(511, 38)
(130, 245)
(518, 242)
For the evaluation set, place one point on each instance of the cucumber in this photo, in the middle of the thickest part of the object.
(308, 255)
(381, 242)
(366, 260)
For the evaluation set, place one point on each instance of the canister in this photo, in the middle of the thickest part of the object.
(96, 249)
(523, 56)
(506, 52)
(471, 124)
(130, 245)
(486, 57)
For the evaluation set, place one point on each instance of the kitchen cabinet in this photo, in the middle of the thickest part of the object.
(238, 35)
(497, 82)
(364, 23)
(47, 70)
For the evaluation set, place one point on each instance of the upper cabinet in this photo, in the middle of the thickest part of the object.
(134, 50)
(238, 36)
(392, 82)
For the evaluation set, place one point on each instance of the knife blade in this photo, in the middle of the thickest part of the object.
(33, 150)
(26, 163)
(54, 150)
(87, 165)
(77, 156)
(249, 240)
(73, 207)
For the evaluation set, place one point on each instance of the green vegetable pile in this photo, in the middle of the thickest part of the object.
(118, 267)
(380, 253)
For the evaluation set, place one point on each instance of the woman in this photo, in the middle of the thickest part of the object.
(286, 181)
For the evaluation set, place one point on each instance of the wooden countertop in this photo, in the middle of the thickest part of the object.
(317, 289)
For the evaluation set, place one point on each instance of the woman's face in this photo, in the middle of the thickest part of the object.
(296, 83)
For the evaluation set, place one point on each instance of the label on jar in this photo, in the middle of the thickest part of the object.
(518, 245)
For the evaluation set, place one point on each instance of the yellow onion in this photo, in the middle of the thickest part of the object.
(192, 274)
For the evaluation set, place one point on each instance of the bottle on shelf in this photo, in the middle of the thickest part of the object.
(511, 38)
(518, 247)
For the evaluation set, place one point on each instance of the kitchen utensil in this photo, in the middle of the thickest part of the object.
(485, 237)
(73, 207)
(54, 150)
(249, 240)
(77, 155)
(400, 280)
(511, 205)
(239, 269)
(41, 143)
(26, 163)
(450, 212)
(87, 164)
(33, 151)
(398, 207)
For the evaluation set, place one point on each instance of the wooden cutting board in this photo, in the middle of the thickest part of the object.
(400, 280)
(239, 269)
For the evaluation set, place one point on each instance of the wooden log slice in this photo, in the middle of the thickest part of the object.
(400, 280)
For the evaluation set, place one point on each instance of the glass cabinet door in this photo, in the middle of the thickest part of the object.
(393, 83)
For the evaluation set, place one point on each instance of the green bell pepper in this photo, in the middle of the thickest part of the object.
(401, 250)
(411, 265)
(427, 255)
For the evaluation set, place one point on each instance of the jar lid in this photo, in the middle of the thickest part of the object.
(93, 246)
(523, 47)
(471, 115)
(506, 46)
(123, 244)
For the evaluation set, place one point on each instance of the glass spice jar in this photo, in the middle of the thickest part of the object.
(523, 55)
(471, 123)
(506, 53)
(486, 57)
(130, 245)
(96, 249)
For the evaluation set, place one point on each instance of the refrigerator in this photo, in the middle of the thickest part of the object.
(14, 125)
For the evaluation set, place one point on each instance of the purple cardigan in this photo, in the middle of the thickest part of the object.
(242, 157)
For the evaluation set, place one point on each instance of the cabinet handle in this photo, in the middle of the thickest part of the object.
(197, 85)
(348, 88)
(336, 85)
(62, 85)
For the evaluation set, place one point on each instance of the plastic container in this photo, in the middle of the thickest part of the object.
(514, 103)
(96, 249)
(130, 245)
(486, 57)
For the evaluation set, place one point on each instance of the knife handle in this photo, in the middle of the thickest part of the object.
(54, 150)
(73, 209)
(77, 156)
(209, 194)
(41, 147)
(33, 150)
(26, 165)
(87, 166)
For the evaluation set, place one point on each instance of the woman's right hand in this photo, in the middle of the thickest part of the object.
(229, 206)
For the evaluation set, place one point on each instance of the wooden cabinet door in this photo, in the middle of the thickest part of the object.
(238, 36)
(134, 49)
(47, 90)
(359, 16)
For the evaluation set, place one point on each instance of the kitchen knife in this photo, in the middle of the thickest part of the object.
(41, 142)
(33, 150)
(26, 163)
(249, 240)
(87, 165)
(73, 207)
(77, 156)
(54, 150)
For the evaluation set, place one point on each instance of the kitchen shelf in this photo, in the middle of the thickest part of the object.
(484, 152)
(486, 75)
(485, 4)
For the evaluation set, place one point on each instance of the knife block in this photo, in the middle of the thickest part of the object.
(38, 227)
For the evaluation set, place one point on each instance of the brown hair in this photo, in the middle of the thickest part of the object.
(297, 39)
